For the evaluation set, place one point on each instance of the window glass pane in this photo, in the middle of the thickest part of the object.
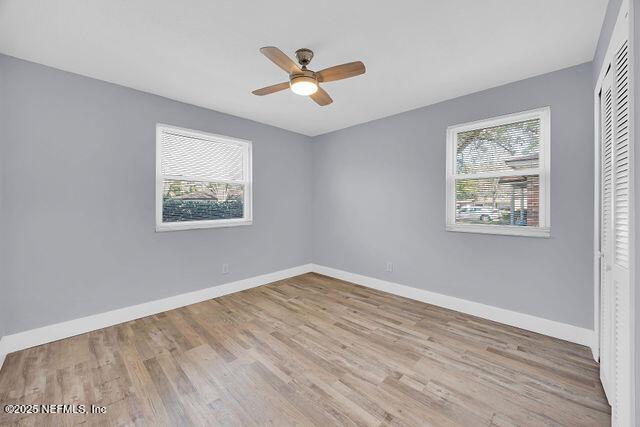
(508, 200)
(499, 148)
(201, 201)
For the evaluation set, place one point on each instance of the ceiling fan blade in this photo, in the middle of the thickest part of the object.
(340, 72)
(321, 97)
(271, 89)
(280, 59)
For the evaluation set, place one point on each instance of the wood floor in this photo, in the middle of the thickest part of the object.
(309, 350)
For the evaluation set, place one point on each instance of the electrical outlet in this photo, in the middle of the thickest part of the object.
(390, 267)
(225, 268)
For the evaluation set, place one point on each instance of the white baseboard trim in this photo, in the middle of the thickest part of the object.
(540, 325)
(595, 350)
(3, 352)
(46, 334)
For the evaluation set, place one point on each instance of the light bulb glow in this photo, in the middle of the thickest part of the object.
(304, 85)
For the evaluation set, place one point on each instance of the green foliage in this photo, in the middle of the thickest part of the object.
(466, 189)
(175, 189)
(176, 210)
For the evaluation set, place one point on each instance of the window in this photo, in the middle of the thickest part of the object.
(498, 175)
(202, 180)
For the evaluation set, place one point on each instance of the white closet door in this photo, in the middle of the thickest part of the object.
(615, 223)
(621, 278)
(606, 234)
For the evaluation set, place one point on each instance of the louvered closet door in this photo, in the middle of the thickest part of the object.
(615, 333)
(606, 232)
(621, 231)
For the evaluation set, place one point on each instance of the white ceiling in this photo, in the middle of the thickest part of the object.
(205, 52)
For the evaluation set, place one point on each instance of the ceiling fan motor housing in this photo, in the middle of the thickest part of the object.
(304, 56)
(307, 74)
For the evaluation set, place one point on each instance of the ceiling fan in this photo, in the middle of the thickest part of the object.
(303, 81)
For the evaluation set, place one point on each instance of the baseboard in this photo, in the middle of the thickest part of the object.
(540, 325)
(3, 352)
(595, 350)
(46, 334)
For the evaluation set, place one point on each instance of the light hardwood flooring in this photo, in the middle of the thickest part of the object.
(309, 350)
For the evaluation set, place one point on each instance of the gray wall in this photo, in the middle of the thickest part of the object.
(79, 203)
(611, 15)
(379, 193)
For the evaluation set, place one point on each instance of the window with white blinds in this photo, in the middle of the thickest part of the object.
(498, 175)
(202, 180)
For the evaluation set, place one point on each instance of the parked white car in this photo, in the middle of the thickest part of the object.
(477, 213)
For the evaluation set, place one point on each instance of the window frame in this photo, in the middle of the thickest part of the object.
(247, 146)
(543, 171)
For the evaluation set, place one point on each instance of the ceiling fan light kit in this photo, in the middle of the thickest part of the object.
(304, 84)
(303, 81)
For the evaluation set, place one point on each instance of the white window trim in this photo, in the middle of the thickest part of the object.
(544, 169)
(248, 181)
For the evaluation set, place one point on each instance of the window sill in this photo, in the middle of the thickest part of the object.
(505, 230)
(192, 225)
